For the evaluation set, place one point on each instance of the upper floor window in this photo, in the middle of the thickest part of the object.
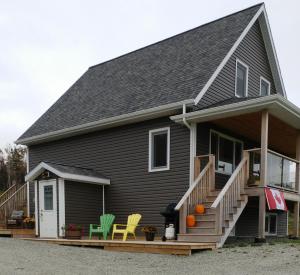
(265, 87)
(241, 79)
(159, 149)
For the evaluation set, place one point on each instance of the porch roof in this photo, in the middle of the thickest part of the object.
(277, 106)
(68, 172)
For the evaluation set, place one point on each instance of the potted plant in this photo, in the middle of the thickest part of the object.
(72, 231)
(29, 222)
(149, 232)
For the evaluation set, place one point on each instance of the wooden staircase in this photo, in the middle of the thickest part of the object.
(222, 207)
(14, 198)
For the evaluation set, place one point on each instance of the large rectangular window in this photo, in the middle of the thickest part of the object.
(159, 149)
(241, 79)
(227, 151)
(265, 87)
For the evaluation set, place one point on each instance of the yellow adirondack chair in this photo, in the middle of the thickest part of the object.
(132, 222)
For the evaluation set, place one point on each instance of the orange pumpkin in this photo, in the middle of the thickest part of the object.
(200, 209)
(190, 220)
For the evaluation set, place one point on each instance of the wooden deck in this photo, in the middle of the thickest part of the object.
(17, 233)
(157, 247)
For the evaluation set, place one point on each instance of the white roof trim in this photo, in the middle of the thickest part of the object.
(277, 106)
(73, 177)
(270, 50)
(142, 115)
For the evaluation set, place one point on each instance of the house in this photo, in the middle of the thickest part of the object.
(201, 117)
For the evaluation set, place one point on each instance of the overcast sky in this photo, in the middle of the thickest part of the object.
(47, 45)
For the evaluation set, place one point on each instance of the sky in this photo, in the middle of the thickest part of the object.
(47, 45)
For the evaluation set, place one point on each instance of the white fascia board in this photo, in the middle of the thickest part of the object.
(228, 55)
(276, 104)
(107, 123)
(271, 51)
(44, 166)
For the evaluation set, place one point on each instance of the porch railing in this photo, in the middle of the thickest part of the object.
(230, 195)
(17, 201)
(281, 169)
(198, 191)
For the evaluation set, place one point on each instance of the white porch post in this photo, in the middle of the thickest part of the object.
(297, 187)
(263, 172)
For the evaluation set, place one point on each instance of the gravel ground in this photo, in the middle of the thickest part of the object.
(25, 257)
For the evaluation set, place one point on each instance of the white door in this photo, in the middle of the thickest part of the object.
(48, 209)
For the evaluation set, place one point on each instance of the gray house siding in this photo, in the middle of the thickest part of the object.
(252, 52)
(121, 154)
(83, 204)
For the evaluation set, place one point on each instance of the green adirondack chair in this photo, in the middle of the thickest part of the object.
(106, 222)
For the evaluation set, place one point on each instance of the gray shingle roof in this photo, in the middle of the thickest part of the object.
(169, 71)
(76, 170)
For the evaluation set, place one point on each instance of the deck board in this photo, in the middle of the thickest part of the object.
(157, 247)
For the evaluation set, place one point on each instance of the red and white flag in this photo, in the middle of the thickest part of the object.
(275, 199)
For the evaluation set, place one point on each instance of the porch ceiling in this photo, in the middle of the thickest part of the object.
(282, 137)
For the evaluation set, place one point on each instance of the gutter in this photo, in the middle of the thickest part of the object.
(163, 110)
(242, 107)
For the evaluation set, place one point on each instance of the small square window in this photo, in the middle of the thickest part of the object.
(264, 87)
(159, 149)
(241, 79)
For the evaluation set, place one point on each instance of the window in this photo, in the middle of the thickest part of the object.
(48, 197)
(265, 87)
(227, 151)
(159, 149)
(271, 224)
(241, 79)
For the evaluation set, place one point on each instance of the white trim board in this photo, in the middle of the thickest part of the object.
(81, 178)
(267, 36)
(61, 206)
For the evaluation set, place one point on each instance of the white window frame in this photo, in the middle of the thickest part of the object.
(217, 157)
(267, 81)
(151, 133)
(247, 73)
(268, 214)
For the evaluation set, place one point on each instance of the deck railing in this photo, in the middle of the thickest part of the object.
(17, 201)
(230, 195)
(198, 191)
(281, 169)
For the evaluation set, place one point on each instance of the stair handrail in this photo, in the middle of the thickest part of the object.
(192, 187)
(230, 193)
(14, 194)
(8, 191)
(198, 191)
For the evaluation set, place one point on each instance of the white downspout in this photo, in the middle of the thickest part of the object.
(27, 183)
(103, 202)
(193, 140)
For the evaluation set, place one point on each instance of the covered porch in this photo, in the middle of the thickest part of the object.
(265, 132)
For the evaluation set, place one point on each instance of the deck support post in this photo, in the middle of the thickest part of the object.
(263, 172)
(297, 188)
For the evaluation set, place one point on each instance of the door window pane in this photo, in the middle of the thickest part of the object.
(272, 226)
(226, 155)
(48, 197)
(238, 153)
(241, 80)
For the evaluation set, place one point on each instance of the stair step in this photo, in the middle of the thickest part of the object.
(201, 238)
(201, 230)
(205, 223)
